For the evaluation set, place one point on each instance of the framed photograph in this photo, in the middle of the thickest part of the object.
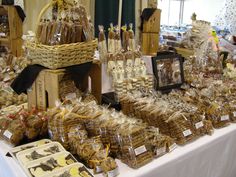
(168, 70)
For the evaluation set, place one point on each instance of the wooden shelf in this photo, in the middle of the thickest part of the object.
(13, 41)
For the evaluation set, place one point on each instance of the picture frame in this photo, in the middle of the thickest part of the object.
(168, 70)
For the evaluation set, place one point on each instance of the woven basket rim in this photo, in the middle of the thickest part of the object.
(30, 43)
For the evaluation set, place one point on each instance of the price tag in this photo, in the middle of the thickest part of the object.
(199, 125)
(224, 118)
(140, 150)
(98, 169)
(234, 114)
(187, 133)
(172, 147)
(50, 134)
(71, 96)
(112, 173)
(160, 151)
(7, 134)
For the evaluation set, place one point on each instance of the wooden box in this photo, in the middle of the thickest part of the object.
(153, 24)
(46, 90)
(150, 43)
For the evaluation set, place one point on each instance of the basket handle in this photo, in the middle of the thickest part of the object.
(45, 8)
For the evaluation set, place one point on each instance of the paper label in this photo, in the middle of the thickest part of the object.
(199, 125)
(112, 173)
(224, 118)
(187, 133)
(98, 169)
(3, 35)
(71, 96)
(160, 151)
(7, 134)
(172, 147)
(234, 114)
(129, 63)
(140, 150)
(50, 134)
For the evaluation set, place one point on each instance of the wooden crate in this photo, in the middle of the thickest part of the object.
(150, 43)
(46, 90)
(153, 24)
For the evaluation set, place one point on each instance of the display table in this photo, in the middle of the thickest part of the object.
(209, 156)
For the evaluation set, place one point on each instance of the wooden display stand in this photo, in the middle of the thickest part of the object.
(45, 90)
(150, 43)
(185, 52)
(13, 41)
(150, 34)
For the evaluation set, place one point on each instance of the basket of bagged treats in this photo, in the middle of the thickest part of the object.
(64, 36)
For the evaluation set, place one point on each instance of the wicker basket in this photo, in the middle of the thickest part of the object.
(59, 56)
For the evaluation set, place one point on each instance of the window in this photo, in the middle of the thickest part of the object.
(175, 13)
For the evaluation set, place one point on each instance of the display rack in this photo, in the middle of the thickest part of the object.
(13, 40)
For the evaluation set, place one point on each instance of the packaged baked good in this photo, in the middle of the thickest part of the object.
(131, 40)
(111, 39)
(14, 133)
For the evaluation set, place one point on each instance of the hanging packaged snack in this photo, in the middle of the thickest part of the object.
(111, 39)
(131, 41)
(125, 38)
(201, 126)
(102, 44)
(87, 148)
(14, 133)
(119, 72)
(118, 46)
(109, 167)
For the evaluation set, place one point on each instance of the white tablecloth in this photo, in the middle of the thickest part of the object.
(209, 156)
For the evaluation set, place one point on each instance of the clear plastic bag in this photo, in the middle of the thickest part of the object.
(102, 44)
